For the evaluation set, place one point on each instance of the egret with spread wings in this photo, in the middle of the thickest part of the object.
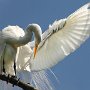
(62, 38)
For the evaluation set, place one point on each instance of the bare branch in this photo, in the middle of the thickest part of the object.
(14, 81)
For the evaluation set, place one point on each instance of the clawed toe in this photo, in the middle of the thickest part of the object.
(8, 78)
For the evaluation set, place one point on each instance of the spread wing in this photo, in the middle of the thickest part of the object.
(62, 38)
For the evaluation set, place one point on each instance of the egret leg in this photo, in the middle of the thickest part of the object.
(3, 62)
(4, 66)
(15, 67)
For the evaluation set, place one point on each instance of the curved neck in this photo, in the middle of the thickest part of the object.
(25, 39)
(16, 42)
(19, 41)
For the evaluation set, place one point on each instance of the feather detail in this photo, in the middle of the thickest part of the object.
(62, 38)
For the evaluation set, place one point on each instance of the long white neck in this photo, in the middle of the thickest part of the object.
(27, 37)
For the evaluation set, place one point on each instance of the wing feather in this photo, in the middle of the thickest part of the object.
(62, 38)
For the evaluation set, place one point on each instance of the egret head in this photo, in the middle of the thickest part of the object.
(37, 35)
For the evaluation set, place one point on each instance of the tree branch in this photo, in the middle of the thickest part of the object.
(14, 81)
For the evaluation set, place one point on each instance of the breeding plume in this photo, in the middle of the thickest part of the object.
(63, 37)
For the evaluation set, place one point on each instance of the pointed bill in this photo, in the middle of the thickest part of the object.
(35, 50)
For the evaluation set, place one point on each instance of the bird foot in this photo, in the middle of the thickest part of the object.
(7, 75)
(18, 79)
(8, 78)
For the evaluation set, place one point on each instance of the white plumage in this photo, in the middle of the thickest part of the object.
(10, 52)
(61, 39)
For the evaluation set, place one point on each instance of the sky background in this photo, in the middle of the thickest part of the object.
(74, 71)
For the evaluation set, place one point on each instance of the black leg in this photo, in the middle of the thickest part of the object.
(3, 61)
(15, 67)
(4, 66)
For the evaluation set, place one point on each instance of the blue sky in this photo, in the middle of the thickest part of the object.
(74, 71)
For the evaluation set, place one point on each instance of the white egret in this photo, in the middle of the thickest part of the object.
(9, 43)
(62, 38)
